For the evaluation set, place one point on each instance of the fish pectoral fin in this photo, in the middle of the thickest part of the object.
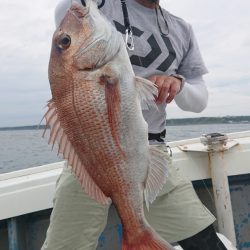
(157, 174)
(147, 92)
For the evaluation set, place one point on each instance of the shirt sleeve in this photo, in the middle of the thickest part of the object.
(192, 64)
(194, 95)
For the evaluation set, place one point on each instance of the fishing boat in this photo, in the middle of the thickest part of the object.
(217, 164)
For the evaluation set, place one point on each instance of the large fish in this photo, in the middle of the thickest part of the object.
(95, 117)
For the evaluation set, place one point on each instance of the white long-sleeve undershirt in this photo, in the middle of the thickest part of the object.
(193, 96)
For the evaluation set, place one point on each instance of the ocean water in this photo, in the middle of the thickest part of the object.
(21, 149)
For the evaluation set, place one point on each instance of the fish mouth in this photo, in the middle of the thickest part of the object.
(78, 11)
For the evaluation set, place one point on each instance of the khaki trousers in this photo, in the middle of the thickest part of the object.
(77, 221)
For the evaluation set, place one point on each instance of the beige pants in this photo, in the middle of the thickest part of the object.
(77, 221)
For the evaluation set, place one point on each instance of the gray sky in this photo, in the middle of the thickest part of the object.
(221, 27)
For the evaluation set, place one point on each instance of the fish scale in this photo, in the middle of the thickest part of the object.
(95, 128)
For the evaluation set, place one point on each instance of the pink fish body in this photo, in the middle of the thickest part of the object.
(96, 119)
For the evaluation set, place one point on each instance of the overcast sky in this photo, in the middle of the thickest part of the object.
(221, 27)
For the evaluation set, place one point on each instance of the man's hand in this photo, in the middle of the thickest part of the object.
(168, 87)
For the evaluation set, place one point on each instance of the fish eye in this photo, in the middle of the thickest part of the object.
(64, 41)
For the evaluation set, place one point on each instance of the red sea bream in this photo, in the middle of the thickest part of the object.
(96, 119)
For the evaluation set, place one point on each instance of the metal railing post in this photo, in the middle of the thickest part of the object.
(216, 149)
(13, 234)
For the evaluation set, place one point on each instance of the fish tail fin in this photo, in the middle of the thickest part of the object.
(146, 240)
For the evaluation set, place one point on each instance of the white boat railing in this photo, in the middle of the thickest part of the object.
(32, 189)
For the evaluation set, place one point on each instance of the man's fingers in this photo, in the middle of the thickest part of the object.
(170, 98)
(172, 92)
(168, 87)
(152, 78)
(163, 91)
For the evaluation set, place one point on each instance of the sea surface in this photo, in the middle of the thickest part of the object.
(20, 149)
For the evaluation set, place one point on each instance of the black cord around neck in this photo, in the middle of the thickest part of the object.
(83, 3)
(158, 21)
(129, 40)
(125, 16)
(101, 4)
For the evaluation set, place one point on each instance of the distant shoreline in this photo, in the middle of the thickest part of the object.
(210, 120)
(30, 127)
(170, 122)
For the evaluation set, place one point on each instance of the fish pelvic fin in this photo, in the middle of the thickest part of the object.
(147, 92)
(58, 136)
(146, 240)
(157, 174)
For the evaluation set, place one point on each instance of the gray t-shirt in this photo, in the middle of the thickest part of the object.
(154, 53)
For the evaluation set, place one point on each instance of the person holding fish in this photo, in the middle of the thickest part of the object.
(97, 116)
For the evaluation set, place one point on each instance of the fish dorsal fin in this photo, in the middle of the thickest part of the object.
(157, 174)
(147, 92)
(57, 135)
